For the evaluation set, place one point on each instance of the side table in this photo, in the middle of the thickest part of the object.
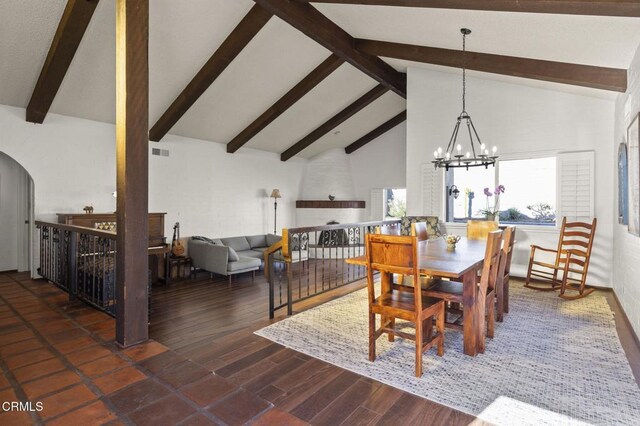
(182, 266)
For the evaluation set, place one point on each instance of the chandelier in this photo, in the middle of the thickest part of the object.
(479, 154)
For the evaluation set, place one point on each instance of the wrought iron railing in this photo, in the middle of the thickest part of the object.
(311, 261)
(81, 261)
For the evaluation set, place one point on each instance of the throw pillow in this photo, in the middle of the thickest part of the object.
(233, 256)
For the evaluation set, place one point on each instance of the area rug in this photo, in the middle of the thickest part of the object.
(552, 361)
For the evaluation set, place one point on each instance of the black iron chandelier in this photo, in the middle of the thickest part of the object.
(479, 155)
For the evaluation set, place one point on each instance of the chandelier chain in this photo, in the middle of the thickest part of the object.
(464, 72)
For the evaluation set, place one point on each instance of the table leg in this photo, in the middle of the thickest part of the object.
(470, 324)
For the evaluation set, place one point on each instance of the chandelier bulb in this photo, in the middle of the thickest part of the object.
(447, 155)
(482, 147)
(468, 155)
(435, 154)
(439, 151)
(459, 148)
(495, 149)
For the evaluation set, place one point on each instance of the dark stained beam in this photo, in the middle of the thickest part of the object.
(377, 132)
(335, 121)
(241, 35)
(630, 8)
(73, 24)
(132, 170)
(613, 79)
(308, 20)
(321, 72)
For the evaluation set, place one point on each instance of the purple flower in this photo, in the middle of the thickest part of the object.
(487, 192)
(499, 189)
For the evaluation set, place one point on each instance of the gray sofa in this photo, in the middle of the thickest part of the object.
(230, 256)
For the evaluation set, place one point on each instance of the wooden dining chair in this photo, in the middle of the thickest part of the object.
(502, 286)
(390, 254)
(479, 229)
(571, 265)
(452, 291)
(419, 230)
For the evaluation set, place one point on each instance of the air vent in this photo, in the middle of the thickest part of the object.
(160, 152)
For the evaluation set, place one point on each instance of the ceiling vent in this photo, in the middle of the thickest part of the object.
(160, 152)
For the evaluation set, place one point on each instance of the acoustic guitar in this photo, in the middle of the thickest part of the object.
(177, 249)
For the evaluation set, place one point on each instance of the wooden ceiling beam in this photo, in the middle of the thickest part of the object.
(625, 8)
(613, 79)
(308, 20)
(377, 132)
(321, 72)
(241, 35)
(335, 121)
(73, 24)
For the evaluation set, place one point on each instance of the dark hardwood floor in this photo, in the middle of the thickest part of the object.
(212, 324)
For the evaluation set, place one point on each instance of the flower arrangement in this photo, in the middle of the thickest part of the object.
(491, 212)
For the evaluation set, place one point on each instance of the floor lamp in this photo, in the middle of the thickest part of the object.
(275, 194)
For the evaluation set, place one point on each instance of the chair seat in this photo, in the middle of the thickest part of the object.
(403, 301)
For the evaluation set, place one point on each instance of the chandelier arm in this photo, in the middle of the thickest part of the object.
(454, 138)
(473, 149)
(476, 133)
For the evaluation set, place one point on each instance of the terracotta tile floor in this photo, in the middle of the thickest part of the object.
(62, 353)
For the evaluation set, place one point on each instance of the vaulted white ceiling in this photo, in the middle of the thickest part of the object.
(184, 34)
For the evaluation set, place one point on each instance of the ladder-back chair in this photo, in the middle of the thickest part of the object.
(390, 254)
(479, 229)
(569, 271)
(502, 287)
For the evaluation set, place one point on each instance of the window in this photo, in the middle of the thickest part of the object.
(395, 205)
(529, 197)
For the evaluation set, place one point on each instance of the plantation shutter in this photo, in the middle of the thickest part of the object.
(376, 207)
(432, 190)
(576, 186)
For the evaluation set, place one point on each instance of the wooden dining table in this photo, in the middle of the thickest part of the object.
(461, 264)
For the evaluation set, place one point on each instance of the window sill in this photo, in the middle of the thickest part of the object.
(542, 229)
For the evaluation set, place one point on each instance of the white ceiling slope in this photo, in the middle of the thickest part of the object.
(183, 35)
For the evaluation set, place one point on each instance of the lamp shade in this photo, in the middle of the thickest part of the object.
(275, 194)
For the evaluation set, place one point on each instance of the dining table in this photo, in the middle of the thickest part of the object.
(460, 264)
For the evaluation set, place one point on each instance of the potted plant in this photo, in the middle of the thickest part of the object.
(491, 212)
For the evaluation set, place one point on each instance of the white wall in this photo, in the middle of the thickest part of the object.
(518, 119)
(380, 164)
(626, 247)
(72, 163)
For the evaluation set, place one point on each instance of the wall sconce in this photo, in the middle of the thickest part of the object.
(453, 190)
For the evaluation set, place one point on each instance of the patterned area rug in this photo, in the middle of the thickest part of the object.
(551, 362)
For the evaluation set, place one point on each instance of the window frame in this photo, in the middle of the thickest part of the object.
(529, 155)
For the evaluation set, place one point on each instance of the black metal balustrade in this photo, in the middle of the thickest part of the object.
(81, 261)
(311, 261)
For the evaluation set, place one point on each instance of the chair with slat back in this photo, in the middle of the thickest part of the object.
(399, 255)
(452, 291)
(419, 230)
(479, 229)
(502, 287)
(569, 271)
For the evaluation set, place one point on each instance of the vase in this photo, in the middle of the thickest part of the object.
(451, 247)
(492, 217)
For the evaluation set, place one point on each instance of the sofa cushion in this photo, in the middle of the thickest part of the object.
(214, 241)
(237, 243)
(272, 239)
(251, 253)
(244, 264)
(233, 255)
(257, 240)
(433, 229)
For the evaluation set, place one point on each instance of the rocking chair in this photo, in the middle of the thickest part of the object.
(569, 271)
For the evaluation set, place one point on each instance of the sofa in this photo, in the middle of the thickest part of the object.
(230, 256)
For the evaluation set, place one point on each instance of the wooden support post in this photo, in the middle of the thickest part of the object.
(132, 161)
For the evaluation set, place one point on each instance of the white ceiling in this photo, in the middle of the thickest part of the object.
(184, 34)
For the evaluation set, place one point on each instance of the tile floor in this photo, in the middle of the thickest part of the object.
(62, 354)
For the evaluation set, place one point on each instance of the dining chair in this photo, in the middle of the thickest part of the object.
(502, 286)
(419, 230)
(452, 291)
(390, 254)
(571, 265)
(479, 229)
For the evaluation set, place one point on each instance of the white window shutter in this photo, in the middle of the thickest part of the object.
(576, 186)
(376, 207)
(432, 190)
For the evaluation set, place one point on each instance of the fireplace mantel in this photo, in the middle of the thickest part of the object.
(325, 204)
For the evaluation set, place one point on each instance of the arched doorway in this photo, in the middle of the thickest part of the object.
(16, 216)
